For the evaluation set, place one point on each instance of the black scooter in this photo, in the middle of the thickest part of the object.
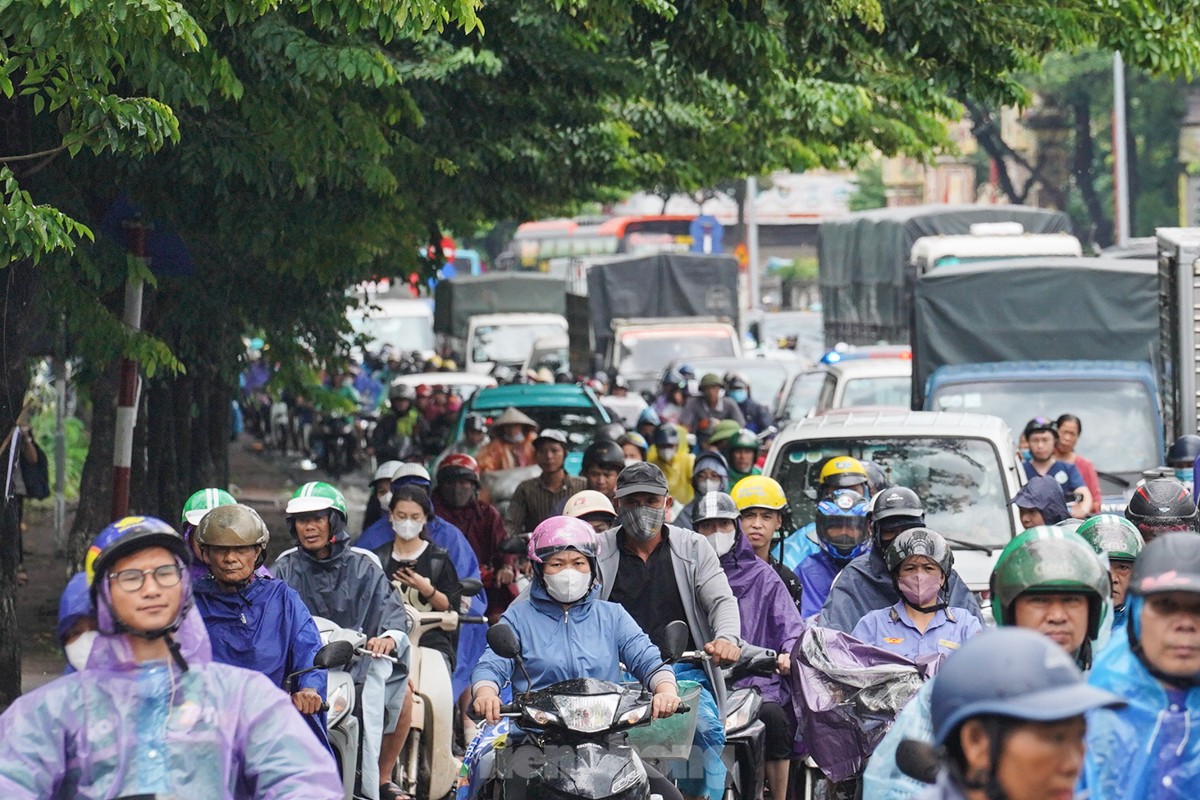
(579, 728)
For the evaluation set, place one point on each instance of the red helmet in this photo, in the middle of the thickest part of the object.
(424, 391)
(458, 465)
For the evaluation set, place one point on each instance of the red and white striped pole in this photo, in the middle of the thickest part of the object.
(127, 395)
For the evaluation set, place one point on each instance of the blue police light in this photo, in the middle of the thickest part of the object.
(832, 357)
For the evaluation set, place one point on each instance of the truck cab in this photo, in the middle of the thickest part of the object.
(507, 338)
(642, 346)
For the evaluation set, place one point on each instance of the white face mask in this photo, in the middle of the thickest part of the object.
(385, 499)
(629, 461)
(568, 586)
(408, 529)
(721, 541)
(667, 454)
(79, 650)
(708, 485)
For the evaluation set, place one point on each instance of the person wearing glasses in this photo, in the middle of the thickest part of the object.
(151, 714)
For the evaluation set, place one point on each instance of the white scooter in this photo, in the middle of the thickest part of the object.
(427, 767)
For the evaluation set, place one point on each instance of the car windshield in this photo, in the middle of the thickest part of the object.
(891, 391)
(1118, 416)
(647, 351)
(959, 480)
(402, 333)
(509, 343)
(802, 397)
(578, 423)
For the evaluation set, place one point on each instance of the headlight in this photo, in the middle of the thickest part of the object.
(634, 716)
(744, 712)
(587, 714)
(341, 700)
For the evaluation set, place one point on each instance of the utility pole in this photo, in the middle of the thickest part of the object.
(1120, 154)
(752, 241)
(60, 436)
(127, 396)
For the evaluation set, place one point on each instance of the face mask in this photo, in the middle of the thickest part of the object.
(666, 453)
(459, 496)
(385, 499)
(739, 396)
(515, 436)
(629, 461)
(708, 485)
(642, 522)
(721, 541)
(79, 650)
(408, 529)
(1184, 476)
(920, 589)
(568, 586)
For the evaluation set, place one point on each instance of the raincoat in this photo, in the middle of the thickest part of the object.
(769, 619)
(882, 779)
(866, 585)
(122, 728)
(267, 628)
(1046, 495)
(1150, 748)
(795, 547)
(678, 470)
(817, 573)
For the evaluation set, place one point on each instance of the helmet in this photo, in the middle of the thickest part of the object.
(711, 380)
(604, 453)
(1160, 505)
(203, 501)
(637, 440)
(724, 430)
(920, 542)
(1040, 425)
(458, 466)
(316, 496)
(1049, 559)
(587, 502)
(736, 380)
(758, 491)
(744, 439)
(401, 391)
(385, 471)
(715, 505)
(1184, 451)
(648, 417)
(843, 508)
(1029, 678)
(1170, 563)
(877, 479)
(74, 604)
(556, 534)
(610, 431)
(1114, 535)
(666, 435)
(232, 526)
(119, 539)
(410, 472)
(896, 502)
(475, 422)
(842, 472)
(424, 390)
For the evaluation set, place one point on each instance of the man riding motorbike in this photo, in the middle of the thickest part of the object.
(392, 439)
(194, 509)
(1119, 539)
(763, 514)
(841, 525)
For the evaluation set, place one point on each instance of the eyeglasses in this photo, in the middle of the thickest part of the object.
(131, 580)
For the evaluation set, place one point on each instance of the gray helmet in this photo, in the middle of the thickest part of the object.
(920, 542)
(401, 391)
(232, 526)
(715, 505)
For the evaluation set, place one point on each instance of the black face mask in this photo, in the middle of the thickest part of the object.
(458, 495)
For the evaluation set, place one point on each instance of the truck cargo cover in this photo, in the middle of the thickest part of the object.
(1034, 309)
(459, 299)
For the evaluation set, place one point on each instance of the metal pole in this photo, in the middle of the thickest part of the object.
(60, 438)
(752, 241)
(1120, 156)
(127, 396)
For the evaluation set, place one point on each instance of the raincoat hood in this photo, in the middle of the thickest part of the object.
(113, 652)
(1046, 495)
(74, 604)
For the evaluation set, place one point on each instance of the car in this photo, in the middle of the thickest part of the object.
(963, 467)
(848, 383)
(571, 408)
(463, 384)
(766, 375)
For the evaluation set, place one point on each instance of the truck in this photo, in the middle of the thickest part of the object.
(867, 268)
(495, 318)
(632, 316)
(1026, 337)
(1178, 269)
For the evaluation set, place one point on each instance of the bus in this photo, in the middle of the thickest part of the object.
(549, 245)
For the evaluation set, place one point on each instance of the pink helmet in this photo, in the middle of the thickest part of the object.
(562, 533)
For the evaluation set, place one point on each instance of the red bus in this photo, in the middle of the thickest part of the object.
(536, 244)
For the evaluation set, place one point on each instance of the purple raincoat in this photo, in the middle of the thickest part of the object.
(122, 728)
(769, 617)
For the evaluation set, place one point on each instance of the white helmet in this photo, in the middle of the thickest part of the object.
(386, 471)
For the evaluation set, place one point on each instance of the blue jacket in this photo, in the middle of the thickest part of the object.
(816, 575)
(585, 641)
(796, 547)
(1150, 748)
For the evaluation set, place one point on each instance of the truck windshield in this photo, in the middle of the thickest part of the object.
(402, 333)
(643, 352)
(1118, 416)
(890, 391)
(959, 480)
(509, 343)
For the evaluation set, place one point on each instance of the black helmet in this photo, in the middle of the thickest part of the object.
(666, 435)
(898, 504)
(604, 453)
(1041, 425)
(1170, 563)
(401, 391)
(1183, 451)
(610, 432)
(1161, 505)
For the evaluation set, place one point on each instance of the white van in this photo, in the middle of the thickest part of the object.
(406, 324)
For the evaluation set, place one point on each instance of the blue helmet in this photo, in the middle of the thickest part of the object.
(841, 523)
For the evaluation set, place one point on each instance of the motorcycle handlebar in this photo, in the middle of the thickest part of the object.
(362, 651)
(473, 620)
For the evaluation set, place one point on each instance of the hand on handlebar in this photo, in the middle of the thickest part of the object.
(665, 702)
(380, 645)
(487, 704)
(722, 652)
(783, 664)
(307, 701)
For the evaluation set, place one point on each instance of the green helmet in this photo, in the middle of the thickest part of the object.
(316, 496)
(1050, 560)
(1113, 534)
(723, 430)
(204, 501)
(743, 440)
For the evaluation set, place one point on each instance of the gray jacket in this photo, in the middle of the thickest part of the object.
(708, 603)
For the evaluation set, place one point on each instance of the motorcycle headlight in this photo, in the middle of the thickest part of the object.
(587, 714)
(743, 711)
(340, 701)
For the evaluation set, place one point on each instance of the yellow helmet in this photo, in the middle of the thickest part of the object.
(842, 472)
(758, 491)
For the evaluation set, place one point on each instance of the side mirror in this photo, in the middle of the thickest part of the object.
(503, 641)
(675, 637)
(513, 546)
(470, 587)
(334, 655)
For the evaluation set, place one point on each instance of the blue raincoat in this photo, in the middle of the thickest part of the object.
(816, 575)
(796, 547)
(123, 728)
(1150, 748)
(267, 628)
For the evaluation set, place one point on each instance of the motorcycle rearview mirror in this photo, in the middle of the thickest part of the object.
(470, 587)
(918, 760)
(513, 546)
(503, 641)
(334, 655)
(675, 639)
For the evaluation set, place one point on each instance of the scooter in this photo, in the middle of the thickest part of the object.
(579, 726)
(427, 766)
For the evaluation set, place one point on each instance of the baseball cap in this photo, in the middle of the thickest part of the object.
(641, 477)
(551, 435)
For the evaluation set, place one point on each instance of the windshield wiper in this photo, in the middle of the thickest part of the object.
(1117, 479)
(982, 548)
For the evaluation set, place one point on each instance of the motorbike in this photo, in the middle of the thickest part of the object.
(427, 766)
(579, 727)
(339, 445)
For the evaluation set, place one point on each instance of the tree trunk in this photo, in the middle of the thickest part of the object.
(1085, 175)
(95, 486)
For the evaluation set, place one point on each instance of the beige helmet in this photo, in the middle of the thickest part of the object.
(588, 501)
(232, 526)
